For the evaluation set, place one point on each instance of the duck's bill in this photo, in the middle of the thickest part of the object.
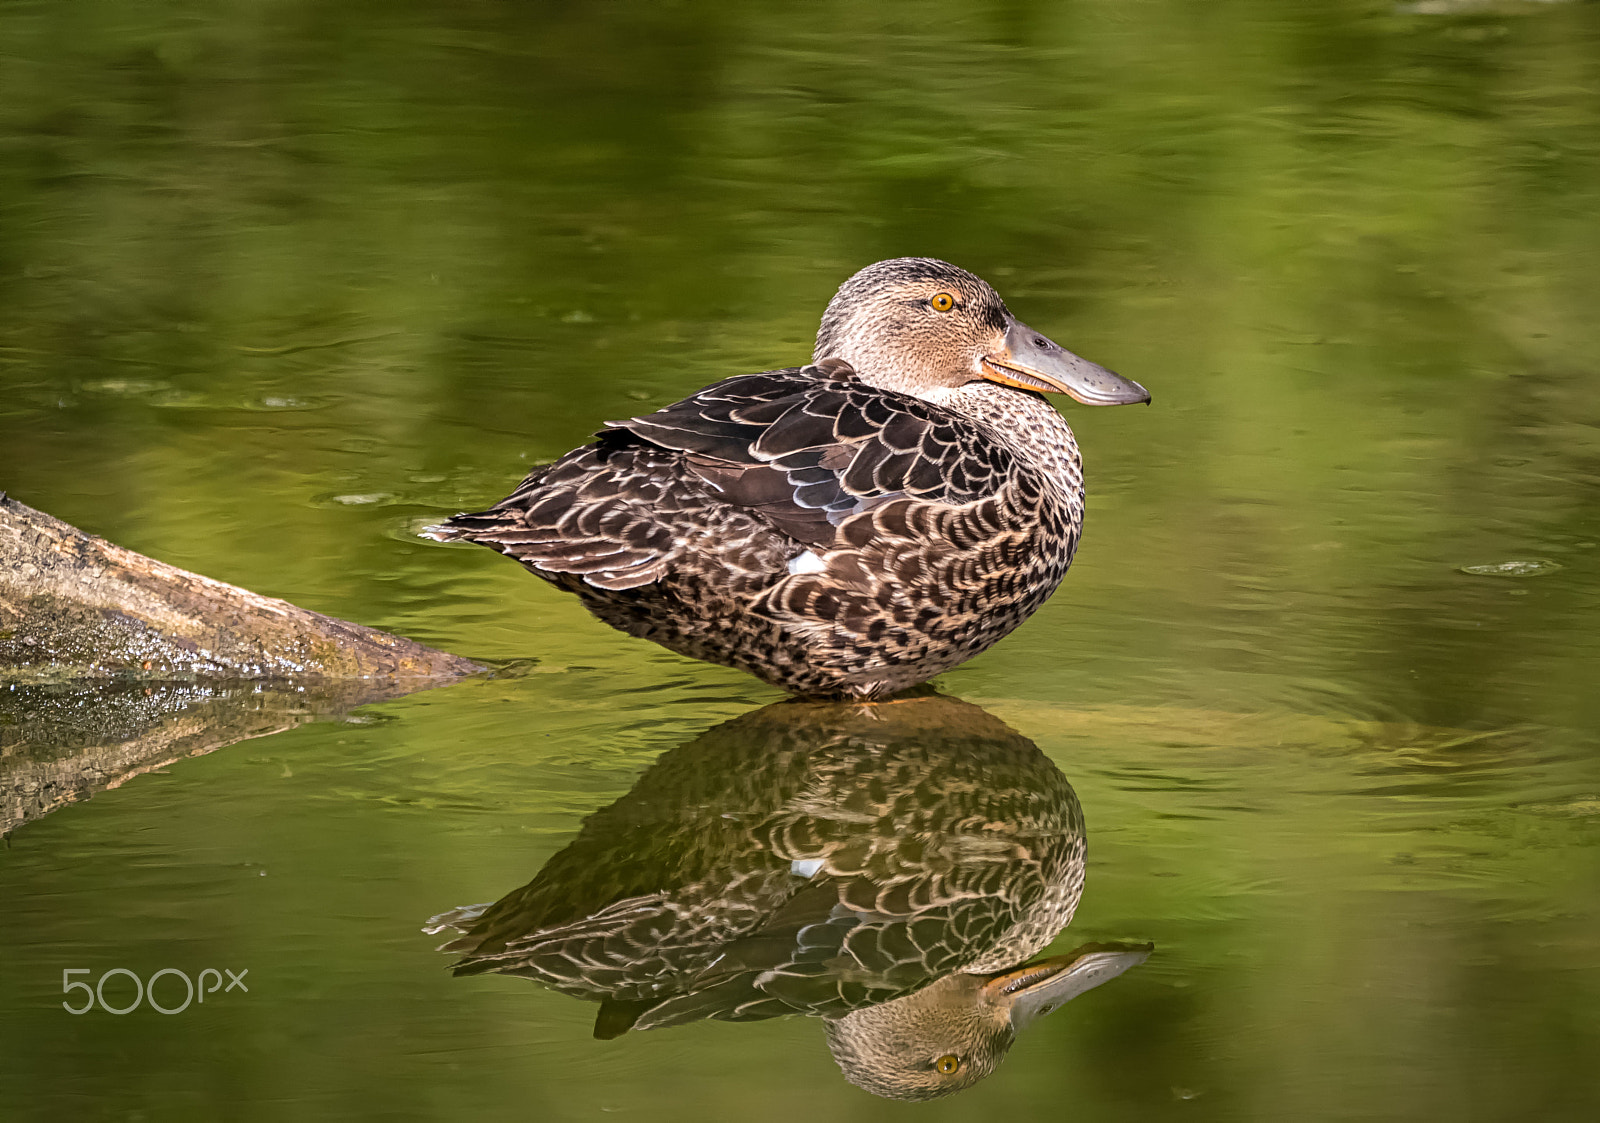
(1034, 989)
(1028, 360)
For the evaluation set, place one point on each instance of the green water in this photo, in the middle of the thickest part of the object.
(278, 281)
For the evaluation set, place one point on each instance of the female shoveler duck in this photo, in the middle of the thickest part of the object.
(848, 528)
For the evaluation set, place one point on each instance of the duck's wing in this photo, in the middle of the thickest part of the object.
(808, 448)
(612, 512)
(757, 462)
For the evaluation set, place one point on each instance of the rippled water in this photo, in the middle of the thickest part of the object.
(281, 283)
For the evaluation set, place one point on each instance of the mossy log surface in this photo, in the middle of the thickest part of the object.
(73, 606)
(113, 664)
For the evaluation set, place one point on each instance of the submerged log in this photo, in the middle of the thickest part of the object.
(73, 606)
(113, 664)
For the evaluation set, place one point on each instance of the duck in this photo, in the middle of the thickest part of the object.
(845, 529)
(892, 870)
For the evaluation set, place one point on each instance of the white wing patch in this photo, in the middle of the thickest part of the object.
(805, 867)
(806, 562)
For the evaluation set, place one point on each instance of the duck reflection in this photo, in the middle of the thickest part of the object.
(890, 868)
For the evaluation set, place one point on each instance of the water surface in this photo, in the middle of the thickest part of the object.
(282, 281)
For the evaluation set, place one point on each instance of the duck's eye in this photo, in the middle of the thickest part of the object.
(942, 302)
(948, 1063)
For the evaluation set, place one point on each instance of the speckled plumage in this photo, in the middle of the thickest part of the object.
(808, 858)
(847, 528)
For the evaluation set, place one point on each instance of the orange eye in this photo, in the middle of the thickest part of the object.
(948, 1063)
(942, 302)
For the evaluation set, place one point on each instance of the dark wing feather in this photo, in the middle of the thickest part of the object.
(809, 448)
(605, 511)
(802, 450)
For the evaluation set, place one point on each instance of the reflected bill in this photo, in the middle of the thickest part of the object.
(891, 869)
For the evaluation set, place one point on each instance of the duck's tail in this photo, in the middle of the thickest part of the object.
(465, 527)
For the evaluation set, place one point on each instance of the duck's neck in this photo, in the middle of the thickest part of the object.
(1027, 423)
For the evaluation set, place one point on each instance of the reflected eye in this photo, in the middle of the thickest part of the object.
(943, 302)
(948, 1063)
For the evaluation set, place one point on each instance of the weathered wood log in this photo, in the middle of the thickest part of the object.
(113, 664)
(73, 606)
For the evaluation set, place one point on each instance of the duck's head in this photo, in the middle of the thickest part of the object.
(954, 1032)
(919, 325)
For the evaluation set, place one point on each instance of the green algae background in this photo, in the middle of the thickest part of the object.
(281, 281)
